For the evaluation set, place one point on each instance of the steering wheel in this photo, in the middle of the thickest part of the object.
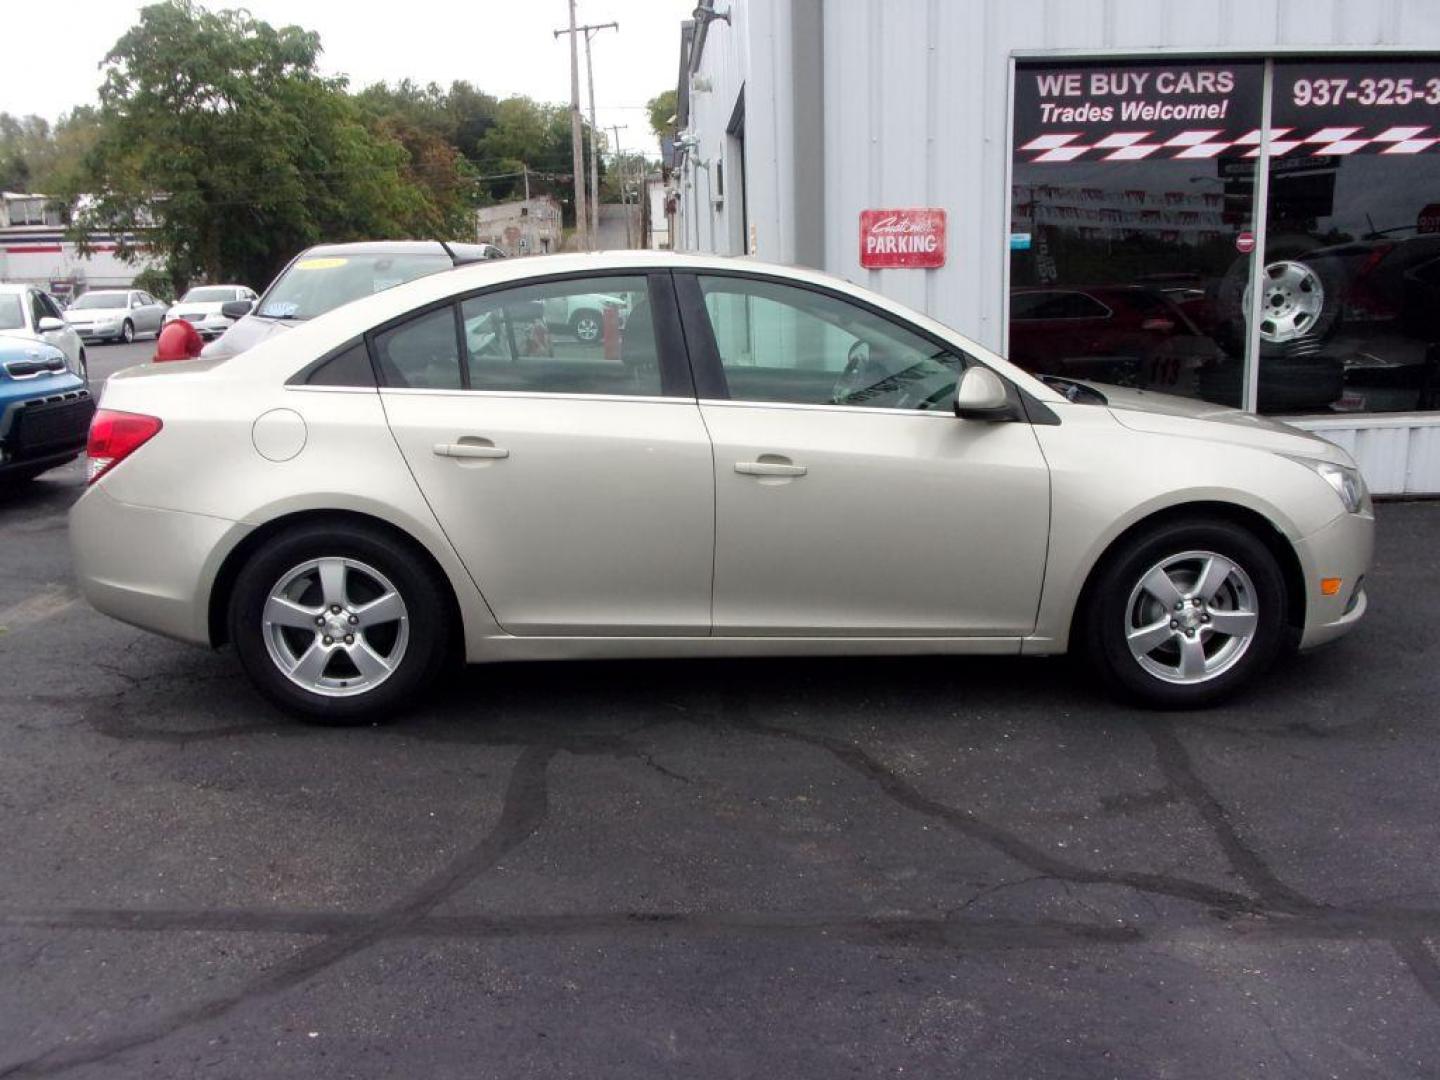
(850, 380)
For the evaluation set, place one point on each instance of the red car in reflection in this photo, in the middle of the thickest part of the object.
(1125, 335)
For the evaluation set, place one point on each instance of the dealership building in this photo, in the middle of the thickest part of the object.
(1236, 201)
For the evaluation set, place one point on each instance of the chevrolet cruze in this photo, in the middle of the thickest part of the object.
(755, 460)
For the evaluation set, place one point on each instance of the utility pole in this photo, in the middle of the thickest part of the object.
(576, 142)
(590, 32)
(620, 172)
(525, 170)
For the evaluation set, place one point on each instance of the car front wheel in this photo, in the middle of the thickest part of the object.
(586, 326)
(127, 332)
(1184, 614)
(339, 624)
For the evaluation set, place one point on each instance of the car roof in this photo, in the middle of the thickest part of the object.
(14, 287)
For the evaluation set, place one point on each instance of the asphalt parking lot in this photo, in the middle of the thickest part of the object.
(730, 869)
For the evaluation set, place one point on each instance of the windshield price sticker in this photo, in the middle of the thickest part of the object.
(1356, 107)
(1136, 111)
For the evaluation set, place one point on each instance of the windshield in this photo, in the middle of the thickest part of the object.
(12, 317)
(318, 283)
(99, 300)
(210, 295)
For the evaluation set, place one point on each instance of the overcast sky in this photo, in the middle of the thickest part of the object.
(501, 46)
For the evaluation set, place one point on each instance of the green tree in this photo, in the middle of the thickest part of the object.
(219, 139)
(35, 157)
(531, 135)
(661, 108)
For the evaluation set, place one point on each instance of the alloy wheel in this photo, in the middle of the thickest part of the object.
(335, 626)
(587, 328)
(1292, 299)
(1191, 617)
(127, 332)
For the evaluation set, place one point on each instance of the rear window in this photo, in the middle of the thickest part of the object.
(99, 300)
(208, 295)
(315, 284)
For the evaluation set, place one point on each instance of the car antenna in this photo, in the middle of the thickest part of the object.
(448, 251)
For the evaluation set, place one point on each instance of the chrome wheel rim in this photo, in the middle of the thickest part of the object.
(1292, 299)
(127, 332)
(587, 329)
(335, 626)
(1191, 617)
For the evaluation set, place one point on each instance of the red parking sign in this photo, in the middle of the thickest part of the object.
(902, 238)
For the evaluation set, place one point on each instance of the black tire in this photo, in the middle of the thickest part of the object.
(1298, 384)
(1101, 627)
(587, 326)
(423, 592)
(127, 332)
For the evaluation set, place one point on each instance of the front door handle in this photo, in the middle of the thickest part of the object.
(470, 450)
(769, 468)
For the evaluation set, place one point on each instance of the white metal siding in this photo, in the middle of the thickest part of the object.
(916, 113)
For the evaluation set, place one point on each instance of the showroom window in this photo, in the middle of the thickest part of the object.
(1134, 190)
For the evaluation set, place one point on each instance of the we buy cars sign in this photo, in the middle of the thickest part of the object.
(912, 238)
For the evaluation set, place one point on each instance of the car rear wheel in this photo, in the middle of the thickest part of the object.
(339, 624)
(1184, 614)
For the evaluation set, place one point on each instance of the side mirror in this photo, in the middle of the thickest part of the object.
(981, 395)
(236, 309)
(49, 324)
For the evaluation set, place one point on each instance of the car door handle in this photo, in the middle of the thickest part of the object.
(470, 450)
(769, 468)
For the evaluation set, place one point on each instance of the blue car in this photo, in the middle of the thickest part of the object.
(45, 409)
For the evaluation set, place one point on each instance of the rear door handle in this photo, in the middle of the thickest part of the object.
(469, 450)
(769, 468)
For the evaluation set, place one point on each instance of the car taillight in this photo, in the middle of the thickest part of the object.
(114, 436)
(1164, 326)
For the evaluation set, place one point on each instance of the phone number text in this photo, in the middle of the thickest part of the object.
(1398, 92)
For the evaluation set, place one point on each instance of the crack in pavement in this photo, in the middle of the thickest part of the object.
(1179, 770)
(1002, 840)
(525, 806)
(1269, 907)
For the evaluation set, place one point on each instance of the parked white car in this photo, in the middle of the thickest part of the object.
(769, 461)
(28, 312)
(115, 314)
(201, 307)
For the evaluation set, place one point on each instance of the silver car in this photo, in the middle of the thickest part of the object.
(764, 461)
(115, 315)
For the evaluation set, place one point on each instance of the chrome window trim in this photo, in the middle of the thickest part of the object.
(411, 391)
(944, 414)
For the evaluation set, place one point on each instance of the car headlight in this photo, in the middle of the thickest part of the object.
(1346, 481)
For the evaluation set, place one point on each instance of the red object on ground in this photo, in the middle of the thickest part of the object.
(178, 341)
